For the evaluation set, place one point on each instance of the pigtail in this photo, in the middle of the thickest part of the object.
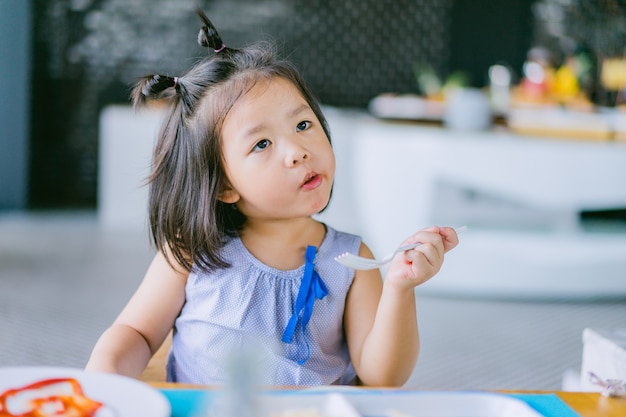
(152, 87)
(208, 36)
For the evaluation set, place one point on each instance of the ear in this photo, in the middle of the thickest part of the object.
(228, 195)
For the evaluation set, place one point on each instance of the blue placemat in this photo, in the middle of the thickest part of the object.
(550, 405)
(185, 401)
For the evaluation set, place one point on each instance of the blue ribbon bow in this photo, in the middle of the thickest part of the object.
(312, 287)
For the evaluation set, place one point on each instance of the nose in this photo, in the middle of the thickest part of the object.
(296, 153)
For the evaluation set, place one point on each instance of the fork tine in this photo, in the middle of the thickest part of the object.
(356, 262)
(353, 260)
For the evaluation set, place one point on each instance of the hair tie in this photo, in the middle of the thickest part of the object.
(221, 48)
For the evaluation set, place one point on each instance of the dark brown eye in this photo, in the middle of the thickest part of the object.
(262, 144)
(303, 126)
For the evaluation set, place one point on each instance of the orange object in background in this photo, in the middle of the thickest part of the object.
(57, 397)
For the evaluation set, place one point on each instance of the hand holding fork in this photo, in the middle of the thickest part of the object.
(358, 262)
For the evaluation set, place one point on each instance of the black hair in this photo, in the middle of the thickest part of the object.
(187, 220)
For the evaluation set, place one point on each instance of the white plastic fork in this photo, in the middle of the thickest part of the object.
(358, 262)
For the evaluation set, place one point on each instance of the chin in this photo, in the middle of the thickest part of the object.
(321, 207)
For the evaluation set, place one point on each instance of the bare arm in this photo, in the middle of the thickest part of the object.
(380, 319)
(127, 346)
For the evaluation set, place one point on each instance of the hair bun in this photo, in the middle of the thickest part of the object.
(208, 36)
(151, 87)
(156, 84)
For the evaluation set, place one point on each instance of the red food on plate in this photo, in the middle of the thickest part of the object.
(55, 397)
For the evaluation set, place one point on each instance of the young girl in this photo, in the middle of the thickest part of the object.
(242, 163)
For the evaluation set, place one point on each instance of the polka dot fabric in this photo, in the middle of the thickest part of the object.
(244, 309)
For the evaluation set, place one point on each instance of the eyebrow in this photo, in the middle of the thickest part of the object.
(298, 110)
(256, 129)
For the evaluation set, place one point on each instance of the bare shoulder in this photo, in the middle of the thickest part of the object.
(156, 303)
(163, 266)
(366, 286)
(365, 251)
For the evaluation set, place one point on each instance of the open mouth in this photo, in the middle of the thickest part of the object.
(312, 181)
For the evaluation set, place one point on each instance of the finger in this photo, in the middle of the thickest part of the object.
(430, 240)
(431, 235)
(415, 236)
(432, 229)
(426, 255)
(450, 237)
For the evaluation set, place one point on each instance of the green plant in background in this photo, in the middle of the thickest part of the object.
(430, 84)
(458, 79)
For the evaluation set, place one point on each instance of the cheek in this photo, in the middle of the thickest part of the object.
(331, 162)
(251, 181)
(237, 171)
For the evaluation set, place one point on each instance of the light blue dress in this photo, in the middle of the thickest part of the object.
(246, 308)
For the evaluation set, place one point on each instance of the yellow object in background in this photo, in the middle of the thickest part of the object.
(565, 87)
(613, 75)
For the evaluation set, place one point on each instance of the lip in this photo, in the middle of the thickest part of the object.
(312, 181)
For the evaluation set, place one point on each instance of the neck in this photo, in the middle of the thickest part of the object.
(282, 243)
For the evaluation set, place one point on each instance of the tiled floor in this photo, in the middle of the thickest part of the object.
(63, 279)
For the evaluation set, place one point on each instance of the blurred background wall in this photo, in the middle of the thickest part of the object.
(15, 71)
(67, 59)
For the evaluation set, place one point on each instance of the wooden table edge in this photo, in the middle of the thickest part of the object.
(586, 404)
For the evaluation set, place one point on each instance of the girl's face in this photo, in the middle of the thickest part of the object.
(277, 157)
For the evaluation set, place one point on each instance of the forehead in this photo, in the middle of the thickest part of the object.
(220, 101)
(275, 95)
(268, 89)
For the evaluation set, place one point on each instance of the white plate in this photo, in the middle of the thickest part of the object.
(407, 106)
(421, 404)
(126, 397)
